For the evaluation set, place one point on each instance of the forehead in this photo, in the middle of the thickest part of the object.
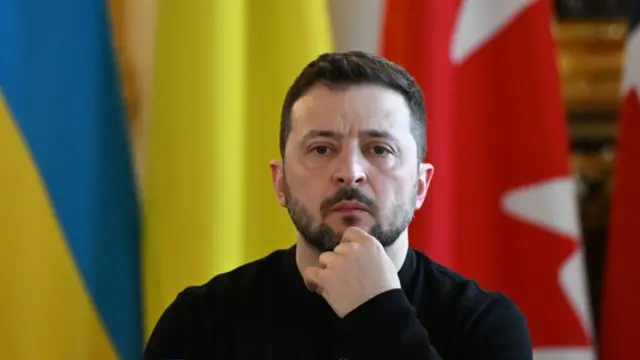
(352, 108)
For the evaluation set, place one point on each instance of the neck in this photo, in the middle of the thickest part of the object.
(307, 255)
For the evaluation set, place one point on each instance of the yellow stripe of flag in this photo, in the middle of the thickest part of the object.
(222, 70)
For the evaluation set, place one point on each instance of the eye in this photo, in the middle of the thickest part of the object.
(321, 150)
(380, 150)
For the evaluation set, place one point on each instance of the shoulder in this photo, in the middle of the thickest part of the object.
(452, 287)
(236, 285)
(201, 311)
(479, 314)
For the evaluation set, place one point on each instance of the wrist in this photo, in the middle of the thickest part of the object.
(388, 308)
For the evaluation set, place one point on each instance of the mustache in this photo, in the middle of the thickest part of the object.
(347, 194)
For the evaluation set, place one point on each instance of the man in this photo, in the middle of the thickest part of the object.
(352, 142)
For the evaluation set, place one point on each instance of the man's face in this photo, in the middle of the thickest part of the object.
(351, 160)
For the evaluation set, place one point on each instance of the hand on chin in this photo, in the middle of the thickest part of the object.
(357, 270)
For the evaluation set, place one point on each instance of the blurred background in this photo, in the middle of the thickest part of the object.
(202, 85)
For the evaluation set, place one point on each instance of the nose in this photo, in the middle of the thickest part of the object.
(350, 170)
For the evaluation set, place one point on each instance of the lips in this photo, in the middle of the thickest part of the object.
(349, 206)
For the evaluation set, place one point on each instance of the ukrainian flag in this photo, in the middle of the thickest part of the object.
(221, 71)
(69, 218)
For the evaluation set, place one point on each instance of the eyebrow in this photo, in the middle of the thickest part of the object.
(380, 134)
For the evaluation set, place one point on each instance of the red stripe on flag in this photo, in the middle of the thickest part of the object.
(620, 314)
(495, 123)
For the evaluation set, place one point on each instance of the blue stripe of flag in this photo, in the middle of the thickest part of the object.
(58, 75)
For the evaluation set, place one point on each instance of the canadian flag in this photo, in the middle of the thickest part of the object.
(620, 317)
(502, 206)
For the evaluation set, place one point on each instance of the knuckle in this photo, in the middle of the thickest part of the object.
(325, 257)
(351, 231)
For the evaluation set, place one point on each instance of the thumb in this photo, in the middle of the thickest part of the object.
(311, 276)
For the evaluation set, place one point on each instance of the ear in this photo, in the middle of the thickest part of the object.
(277, 178)
(425, 174)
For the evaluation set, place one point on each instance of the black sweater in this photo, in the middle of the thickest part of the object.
(262, 310)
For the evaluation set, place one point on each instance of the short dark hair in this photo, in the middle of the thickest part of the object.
(351, 68)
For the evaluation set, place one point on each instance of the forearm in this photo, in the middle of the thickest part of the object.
(386, 327)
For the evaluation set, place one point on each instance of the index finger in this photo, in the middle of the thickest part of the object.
(355, 234)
